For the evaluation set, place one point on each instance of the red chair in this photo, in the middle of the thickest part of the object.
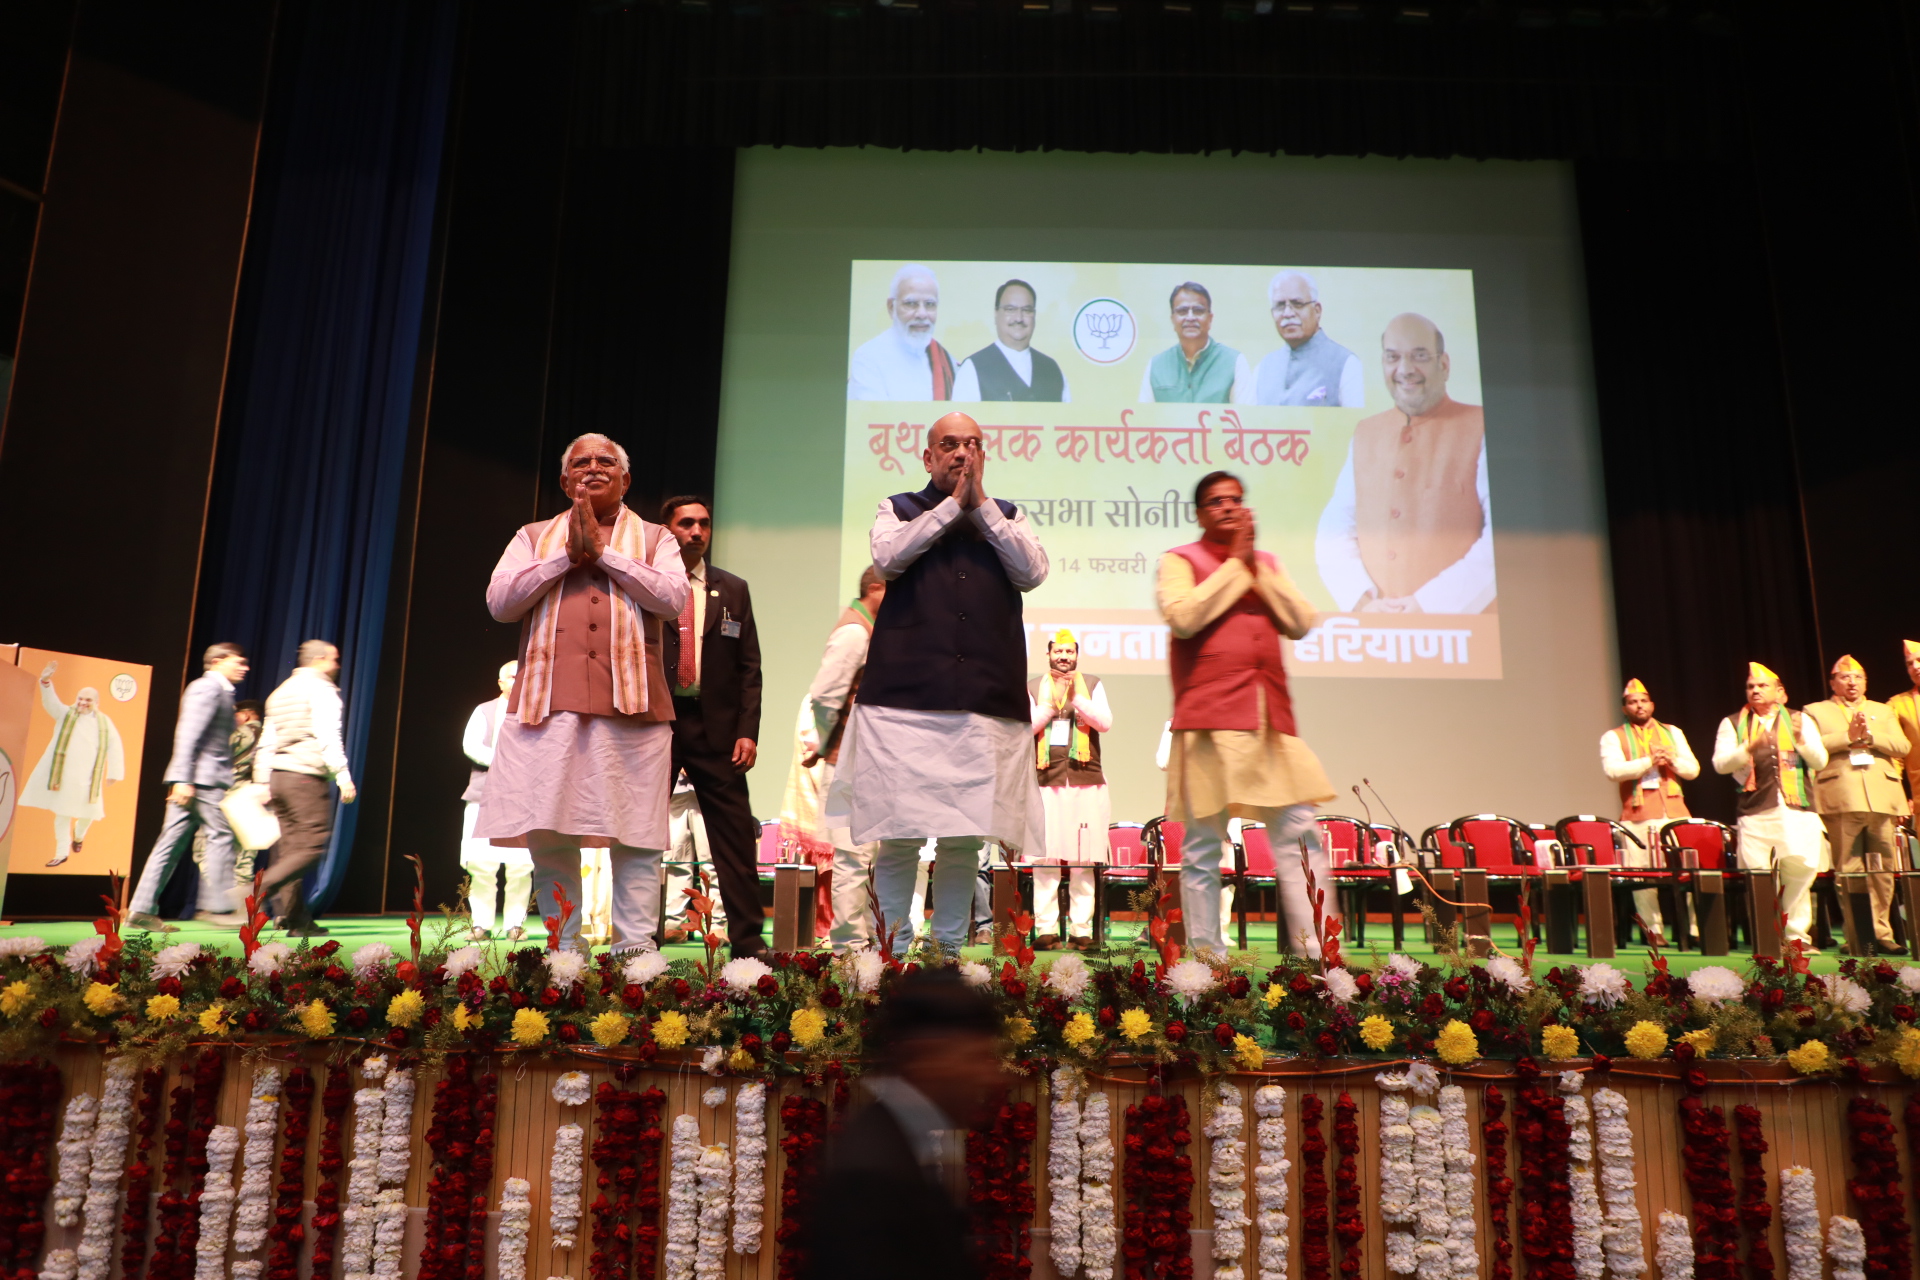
(1593, 840)
(1442, 849)
(1502, 847)
(1349, 846)
(768, 851)
(1163, 841)
(1690, 844)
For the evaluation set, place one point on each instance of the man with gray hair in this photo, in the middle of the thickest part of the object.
(583, 752)
(1309, 369)
(300, 757)
(904, 362)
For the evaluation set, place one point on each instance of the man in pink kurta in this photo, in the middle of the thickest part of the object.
(583, 753)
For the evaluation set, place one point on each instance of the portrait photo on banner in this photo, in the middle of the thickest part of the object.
(86, 727)
(1348, 399)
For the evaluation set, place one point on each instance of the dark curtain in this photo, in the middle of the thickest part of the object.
(313, 458)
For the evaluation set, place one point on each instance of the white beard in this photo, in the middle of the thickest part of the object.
(912, 341)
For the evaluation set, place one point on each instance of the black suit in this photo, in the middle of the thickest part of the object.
(704, 731)
(875, 1214)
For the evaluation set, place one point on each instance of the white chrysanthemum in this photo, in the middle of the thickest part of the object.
(171, 962)
(1406, 966)
(1848, 995)
(1715, 983)
(1910, 977)
(269, 958)
(84, 954)
(566, 968)
(462, 961)
(1506, 971)
(375, 1067)
(1847, 1246)
(24, 945)
(370, 959)
(572, 1088)
(715, 1096)
(1069, 975)
(1422, 1079)
(1673, 1246)
(1191, 978)
(867, 969)
(976, 974)
(744, 974)
(645, 967)
(1341, 986)
(714, 1060)
(1604, 985)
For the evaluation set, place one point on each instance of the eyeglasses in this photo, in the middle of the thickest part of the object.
(1192, 312)
(1017, 311)
(1291, 304)
(1219, 500)
(953, 444)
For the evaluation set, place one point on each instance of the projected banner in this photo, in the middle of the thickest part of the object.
(1347, 400)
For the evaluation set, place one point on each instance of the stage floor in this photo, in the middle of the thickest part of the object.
(358, 931)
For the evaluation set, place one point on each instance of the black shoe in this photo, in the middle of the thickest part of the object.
(307, 931)
(1889, 948)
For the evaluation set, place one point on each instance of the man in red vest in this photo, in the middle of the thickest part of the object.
(1647, 760)
(1234, 752)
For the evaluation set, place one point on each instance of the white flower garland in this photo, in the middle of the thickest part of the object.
(714, 1098)
(1270, 1181)
(683, 1199)
(1613, 1143)
(216, 1204)
(396, 1129)
(1413, 1177)
(564, 1178)
(1456, 1151)
(60, 1264)
(390, 1233)
(1847, 1246)
(363, 1183)
(1063, 1174)
(1227, 1181)
(1673, 1247)
(516, 1223)
(76, 1159)
(100, 1215)
(1589, 1223)
(1800, 1223)
(716, 1198)
(255, 1209)
(749, 1166)
(572, 1088)
(1098, 1240)
(1396, 1172)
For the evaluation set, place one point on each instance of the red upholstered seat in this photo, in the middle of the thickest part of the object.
(1499, 845)
(1124, 846)
(1710, 841)
(1253, 838)
(1590, 838)
(1168, 836)
(1452, 852)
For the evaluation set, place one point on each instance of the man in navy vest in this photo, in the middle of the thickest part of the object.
(1008, 368)
(940, 745)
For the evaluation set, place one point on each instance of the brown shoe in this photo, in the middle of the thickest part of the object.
(1047, 942)
(670, 936)
(1081, 943)
(150, 923)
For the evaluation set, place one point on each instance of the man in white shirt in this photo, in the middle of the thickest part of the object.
(299, 756)
(486, 863)
(1772, 753)
(1008, 368)
(1070, 712)
(1309, 370)
(905, 362)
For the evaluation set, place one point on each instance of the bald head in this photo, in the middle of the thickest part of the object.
(1413, 356)
(1295, 301)
(951, 443)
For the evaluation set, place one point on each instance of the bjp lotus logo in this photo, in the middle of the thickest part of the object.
(1104, 331)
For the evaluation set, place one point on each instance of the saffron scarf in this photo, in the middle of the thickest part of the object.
(1787, 764)
(632, 537)
(1060, 700)
(58, 770)
(1639, 742)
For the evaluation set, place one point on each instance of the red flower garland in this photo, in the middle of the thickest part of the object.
(29, 1099)
(626, 1157)
(208, 1072)
(803, 1127)
(1546, 1214)
(483, 1138)
(1756, 1212)
(1315, 1256)
(451, 1187)
(133, 1220)
(1000, 1191)
(1913, 1139)
(1348, 1223)
(326, 1196)
(1157, 1239)
(1875, 1187)
(1493, 1136)
(286, 1233)
(1716, 1226)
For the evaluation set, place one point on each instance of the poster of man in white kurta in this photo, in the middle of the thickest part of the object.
(83, 760)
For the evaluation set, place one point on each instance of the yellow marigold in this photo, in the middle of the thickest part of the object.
(1079, 1030)
(315, 1018)
(740, 1060)
(1646, 1040)
(1906, 1054)
(102, 1000)
(1135, 1024)
(1275, 994)
(463, 1018)
(1249, 1052)
(213, 1020)
(405, 1009)
(1701, 1040)
(530, 1026)
(808, 1027)
(15, 998)
(1559, 1042)
(610, 1028)
(1375, 1032)
(670, 1029)
(1456, 1043)
(160, 1008)
(1810, 1058)
(1019, 1030)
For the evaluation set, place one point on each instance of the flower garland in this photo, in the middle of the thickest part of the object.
(133, 1219)
(282, 1263)
(389, 1232)
(106, 1161)
(1913, 1134)
(1063, 1173)
(683, 1199)
(626, 1151)
(565, 1176)
(1227, 1181)
(1756, 1212)
(1800, 1223)
(1315, 1256)
(29, 1101)
(396, 1128)
(1613, 1142)
(253, 1210)
(803, 1127)
(1348, 1224)
(1398, 1185)
(178, 1219)
(1457, 1150)
(216, 1201)
(1876, 1189)
(1673, 1246)
(749, 1167)
(1546, 1218)
(75, 1148)
(1847, 1246)
(1589, 1222)
(1000, 1190)
(1715, 1219)
(1499, 1187)
(460, 1137)
(1099, 1242)
(1157, 1181)
(1270, 1180)
(363, 1179)
(516, 1224)
(715, 1173)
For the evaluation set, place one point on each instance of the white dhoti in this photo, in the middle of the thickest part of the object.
(1077, 819)
(687, 856)
(487, 866)
(1793, 843)
(1646, 902)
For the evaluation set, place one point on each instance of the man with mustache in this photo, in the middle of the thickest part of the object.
(905, 363)
(1309, 369)
(1772, 752)
(1409, 529)
(1857, 791)
(1008, 368)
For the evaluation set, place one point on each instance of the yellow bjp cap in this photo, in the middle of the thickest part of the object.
(1064, 636)
(1758, 671)
(1634, 686)
(1848, 663)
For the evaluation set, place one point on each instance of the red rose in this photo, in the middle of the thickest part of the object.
(782, 1042)
(517, 999)
(1107, 1016)
(1300, 985)
(1774, 998)
(830, 996)
(406, 971)
(357, 1017)
(1327, 1043)
(1682, 1051)
(1238, 985)
(1364, 981)
(768, 985)
(397, 1038)
(1296, 1022)
(1481, 1020)
(168, 987)
(49, 1017)
(750, 1042)
(1432, 1006)
(568, 1033)
(1223, 1036)
(232, 989)
(1176, 1031)
(334, 973)
(549, 996)
(1904, 1012)
(499, 984)
(1456, 989)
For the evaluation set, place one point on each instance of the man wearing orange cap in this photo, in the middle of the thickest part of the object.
(1070, 712)
(1858, 790)
(1771, 752)
(1906, 709)
(1648, 761)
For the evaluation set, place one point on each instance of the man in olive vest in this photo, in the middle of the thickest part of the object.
(1409, 529)
(1070, 712)
(1906, 709)
(1857, 791)
(1771, 752)
(1196, 369)
(1008, 368)
(1648, 761)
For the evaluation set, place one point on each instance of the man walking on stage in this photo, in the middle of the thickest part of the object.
(1771, 752)
(1647, 760)
(1857, 792)
(1070, 712)
(940, 744)
(713, 658)
(488, 866)
(583, 755)
(1235, 753)
(299, 754)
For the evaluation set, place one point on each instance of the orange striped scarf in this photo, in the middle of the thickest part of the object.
(633, 538)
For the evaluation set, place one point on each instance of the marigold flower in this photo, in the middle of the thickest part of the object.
(740, 1060)
(315, 1018)
(1456, 1043)
(1646, 1040)
(530, 1026)
(1559, 1042)
(1375, 1032)
(1135, 1025)
(808, 1027)
(1249, 1053)
(1275, 994)
(160, 1008)
(1811, 1058)
(1701, 1040)
(405, 1009)
(610, 1028)
(15, 998)
(1019, 1030)
(670, 1029)
(464, 1018)
(213, 1020)
(102, 1000)
(1080, 1029)
(1906, 1054)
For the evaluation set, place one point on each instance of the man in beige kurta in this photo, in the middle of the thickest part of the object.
(1857, 792)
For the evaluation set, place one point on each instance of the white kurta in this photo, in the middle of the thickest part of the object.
(73, 798)
(1077, 818)
(890, 367)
